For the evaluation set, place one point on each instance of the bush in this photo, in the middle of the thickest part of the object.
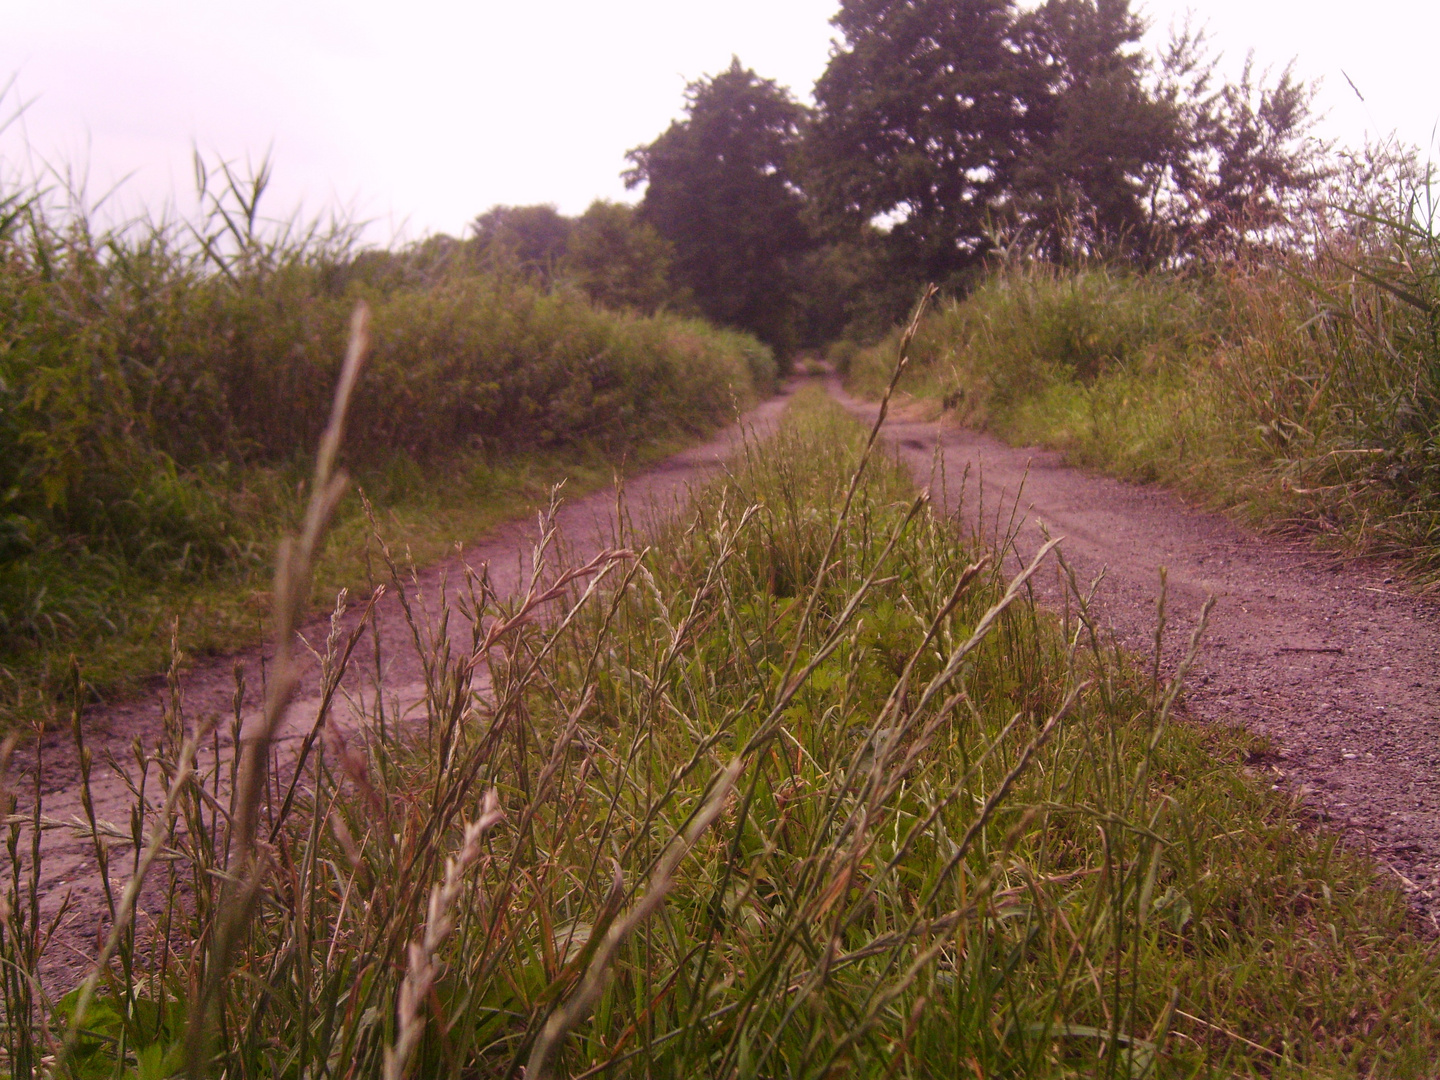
(151, 375)
(1033, 326)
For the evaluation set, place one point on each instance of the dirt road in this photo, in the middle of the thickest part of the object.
(1335, 664)
(586, 526)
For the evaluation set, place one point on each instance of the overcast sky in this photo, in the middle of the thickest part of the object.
(421, 115)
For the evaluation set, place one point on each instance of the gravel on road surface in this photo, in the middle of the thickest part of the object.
(1335, 663)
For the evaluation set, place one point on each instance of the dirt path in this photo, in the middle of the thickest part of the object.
(586, 526)
(1336, 665)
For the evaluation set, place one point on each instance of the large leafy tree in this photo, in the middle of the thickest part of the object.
(618, 261)
(1101, 134)
(923, 115)
(720, 187)
(950, 122)
(530, 239)
(1246, 161)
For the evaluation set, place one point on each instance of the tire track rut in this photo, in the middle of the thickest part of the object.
(1337, 666)
(584, 526)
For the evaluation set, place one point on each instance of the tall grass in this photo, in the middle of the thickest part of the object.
(802, 785)
(161, 379)
(1304, 391)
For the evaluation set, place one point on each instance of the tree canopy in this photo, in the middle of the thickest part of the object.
(531, 239)
(941, 129)
(1102, 135)
(922, 117)
(1244, 162)
(618, 260)
(954, 121)
(721, 187)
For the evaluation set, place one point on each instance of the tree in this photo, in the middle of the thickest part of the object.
(922, 118)
(850, 287)
(1248, 160)
(948, 121)
(720, 187)
(531, 239)
(1100, 133)
(618, 260)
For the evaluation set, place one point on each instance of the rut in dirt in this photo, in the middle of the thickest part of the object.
(1333, 663)
(583, 527)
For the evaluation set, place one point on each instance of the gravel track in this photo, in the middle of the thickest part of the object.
(1334, 662)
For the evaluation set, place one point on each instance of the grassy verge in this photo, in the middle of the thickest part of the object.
(1303, 394)
(804, 787)
(122, 621)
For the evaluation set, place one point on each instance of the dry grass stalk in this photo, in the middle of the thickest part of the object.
(423, 968)
(577, 1006)
(124, 912)
(291, 595)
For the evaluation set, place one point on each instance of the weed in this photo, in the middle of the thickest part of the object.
(159, 381)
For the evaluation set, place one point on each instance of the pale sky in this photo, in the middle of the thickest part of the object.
(422, 115)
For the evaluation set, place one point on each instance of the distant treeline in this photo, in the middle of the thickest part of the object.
(941, 131)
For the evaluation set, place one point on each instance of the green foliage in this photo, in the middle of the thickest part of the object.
(720, 185)
(1092, 175)
(1247, 169)
(158, 381)
(478, 363)
(946, 131)
(921, 118)
(851, 288)
(793, 793)
(619, 261)
(1303, 392)
(127, 1027)
(530, 239)
(1034, 326)
(956, 124)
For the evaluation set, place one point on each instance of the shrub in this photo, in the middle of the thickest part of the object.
(1301, 390)
(151, 376)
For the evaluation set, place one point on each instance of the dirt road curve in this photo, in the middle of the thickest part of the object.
(586, 525)
(1337, 666)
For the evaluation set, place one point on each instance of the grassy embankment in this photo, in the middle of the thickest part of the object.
(161, 386)
(1302, 393)
(805, 787)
